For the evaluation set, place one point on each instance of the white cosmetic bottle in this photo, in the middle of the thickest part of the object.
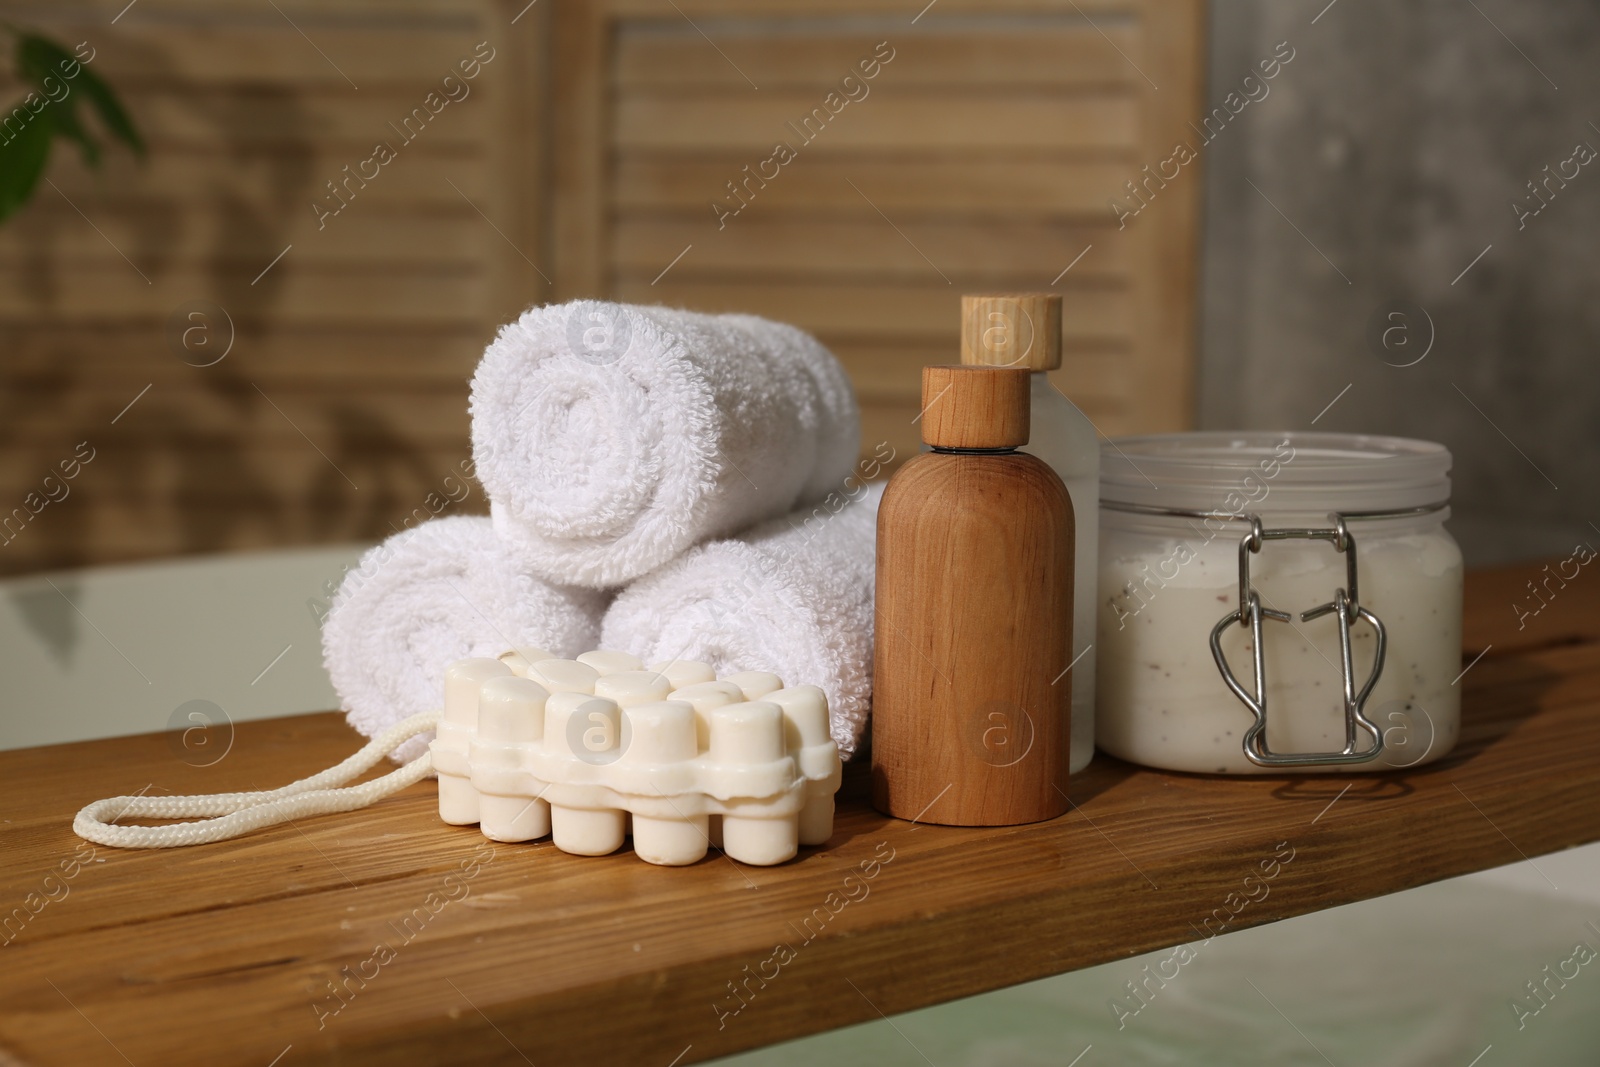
(1024, 330)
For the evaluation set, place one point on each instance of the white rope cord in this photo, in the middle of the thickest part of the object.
(232, 814)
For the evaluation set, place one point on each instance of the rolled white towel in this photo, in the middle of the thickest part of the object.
(792, 596)
(612, 437)
(441, 591)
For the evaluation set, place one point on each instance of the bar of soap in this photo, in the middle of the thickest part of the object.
(564, 675)
(611, 662)
(633, 687)
(703, 696)
(520, 659)
(755, 684)
(684, 672)
(593, 750)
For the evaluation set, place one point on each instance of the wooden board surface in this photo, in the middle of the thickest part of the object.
(223, 954)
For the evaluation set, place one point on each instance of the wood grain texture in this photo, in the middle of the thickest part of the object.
(788, 248)
(352, 334)
(974, 407)
(584, 162)
(580, 170)
(927, 122)
(973, 627)
(886, 311)
(1056, 56)
(983, 155)
(936, 187)
(736, 8)
(1165, 242)
(1011, 330)
(217, 955)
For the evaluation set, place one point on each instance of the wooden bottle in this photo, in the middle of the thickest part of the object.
(971, 700)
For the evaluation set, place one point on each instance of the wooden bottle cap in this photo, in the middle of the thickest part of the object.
(974, 407)
(1011, 330)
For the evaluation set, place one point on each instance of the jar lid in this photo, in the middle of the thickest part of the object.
(1274, 473)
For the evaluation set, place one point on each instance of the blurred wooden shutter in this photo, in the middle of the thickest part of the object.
(588, 153)
(984, 155)
(350, 354)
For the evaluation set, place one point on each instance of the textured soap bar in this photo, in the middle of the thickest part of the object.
(593, 750)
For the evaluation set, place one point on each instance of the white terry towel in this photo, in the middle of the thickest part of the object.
(612, 437)
(793, 596)
(428, 596)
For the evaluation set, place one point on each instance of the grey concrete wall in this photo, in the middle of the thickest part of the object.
(1392, 147)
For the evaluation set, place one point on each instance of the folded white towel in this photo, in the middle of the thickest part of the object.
(426, 597)
(793, 596)
(612, 437)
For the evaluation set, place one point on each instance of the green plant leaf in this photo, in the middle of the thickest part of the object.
(22, 161)
(111, 112)
(39, 58)
(26, 136)
(65, 120)
(43, 63)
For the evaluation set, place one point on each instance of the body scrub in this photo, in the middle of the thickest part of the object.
(1176, 532)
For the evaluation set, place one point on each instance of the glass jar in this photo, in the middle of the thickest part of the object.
(1175, 535)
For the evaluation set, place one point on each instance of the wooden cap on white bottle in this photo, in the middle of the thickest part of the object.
(1011, 330)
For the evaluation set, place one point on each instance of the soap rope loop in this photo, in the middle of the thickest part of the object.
(226, 815)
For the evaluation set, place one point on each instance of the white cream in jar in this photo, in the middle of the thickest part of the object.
(1166, 581)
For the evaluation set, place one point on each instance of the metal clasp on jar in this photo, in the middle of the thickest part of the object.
(1347, 610)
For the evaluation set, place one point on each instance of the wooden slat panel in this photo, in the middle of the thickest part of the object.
(518, 160)
(955, 186)
(446, 16)
(340, 423)
(255, 115)
(364, 334)
(1097, 381)
(760, 242)
(200, 525)
(893, 311)
(1038, 122)
(881, 123)
(286, 181)
(112, 290)
(56, 238)
(191, 488)
(427, 396)
(373, 323)
(243, 424)
(889, 421)
(372, 57)
(1076, 58)
(308, 359)
(648, 9)
(202, 467)
(1167, 242)
(375, 434)
(580, 170)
